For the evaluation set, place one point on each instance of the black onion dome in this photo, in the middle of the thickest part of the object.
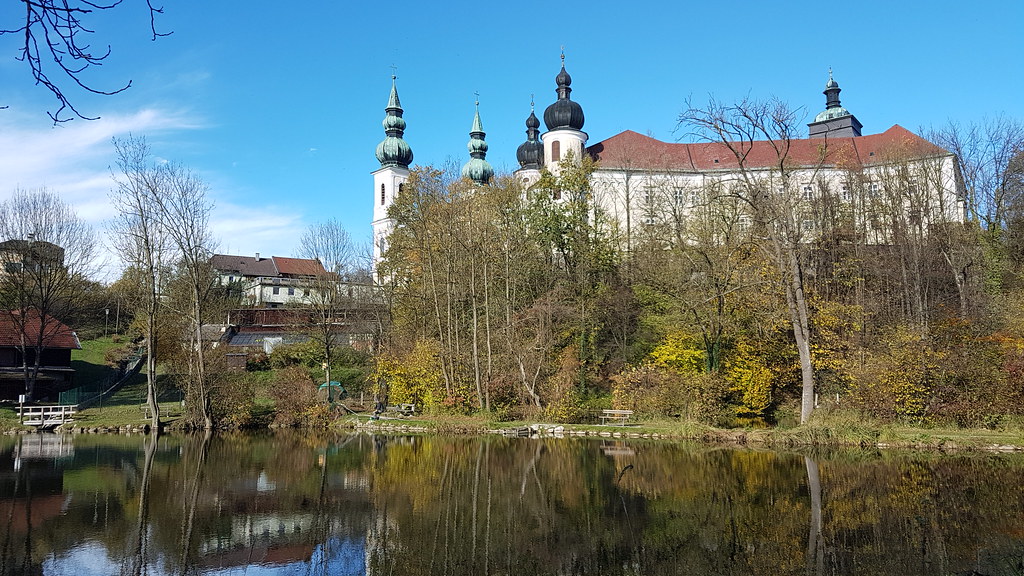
(564, 113)
(531, 153)
(532, 122)
(563, 78)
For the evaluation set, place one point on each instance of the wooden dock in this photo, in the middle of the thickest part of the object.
(46, 416)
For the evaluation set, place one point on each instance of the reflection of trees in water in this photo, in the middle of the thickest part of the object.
(11, 562)
(499, 505)
(193, 481)
(815, 547)
(135, 562)
(435, 505)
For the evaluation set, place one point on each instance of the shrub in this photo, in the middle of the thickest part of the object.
(295, 398)
(306, 353)
(257, 362)
(563, 400)
(232, 401)
(414, 378)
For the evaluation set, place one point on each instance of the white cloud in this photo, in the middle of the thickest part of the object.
(75, 159)
(244, 230)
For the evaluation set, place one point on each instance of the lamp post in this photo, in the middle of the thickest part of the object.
(106, 320)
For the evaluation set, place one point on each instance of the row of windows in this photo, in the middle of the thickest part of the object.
(277, 290)
(679, 195)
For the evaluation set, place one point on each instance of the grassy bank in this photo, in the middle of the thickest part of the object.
(836, 433)
(90, 362)
(125, 410)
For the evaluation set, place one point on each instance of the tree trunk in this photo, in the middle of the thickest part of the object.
(151, 399)
(799, 317)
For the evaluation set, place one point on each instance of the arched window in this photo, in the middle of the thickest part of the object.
(556, 151)
(381, 194)
(401, 187)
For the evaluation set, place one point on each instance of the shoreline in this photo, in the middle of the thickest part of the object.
(810, 436)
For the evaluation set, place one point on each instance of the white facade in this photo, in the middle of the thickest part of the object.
(559, 144)
(898, 181)
(387, 183)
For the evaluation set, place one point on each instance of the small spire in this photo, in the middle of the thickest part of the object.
(531, 153)
(393, 150)
(831, 92)
(477, 169)
(478, 127)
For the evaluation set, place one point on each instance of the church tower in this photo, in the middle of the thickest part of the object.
(530, 153)
(564, 120)
(835, 121)
(394, 155)
(478, 169)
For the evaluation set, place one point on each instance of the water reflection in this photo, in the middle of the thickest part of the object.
(360, 504)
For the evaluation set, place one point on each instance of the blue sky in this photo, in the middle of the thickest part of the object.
(278, 106)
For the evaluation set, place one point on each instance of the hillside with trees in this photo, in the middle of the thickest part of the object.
(753, 308)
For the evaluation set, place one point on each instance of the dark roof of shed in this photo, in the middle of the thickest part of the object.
(245, 265)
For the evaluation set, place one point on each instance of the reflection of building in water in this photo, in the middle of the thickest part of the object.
(31, 487)
(43, 447)
(267, 529)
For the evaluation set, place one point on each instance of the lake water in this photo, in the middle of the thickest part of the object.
(408, 505)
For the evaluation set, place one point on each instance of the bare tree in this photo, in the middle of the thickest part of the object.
(47, 256)
(55, 41)
(143, 243)
(984, 153)
(164, 222)
(758, 136)
(328, 291)
(184, 213)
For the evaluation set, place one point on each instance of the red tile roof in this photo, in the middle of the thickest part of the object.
(299, 266)
(57, 334)
(645, 153)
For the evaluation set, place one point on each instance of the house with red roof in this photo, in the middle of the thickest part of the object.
(18, 337)
(268, 282)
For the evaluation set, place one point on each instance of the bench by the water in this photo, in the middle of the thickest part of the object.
(46, 416)
(617, 417)
(403, 409)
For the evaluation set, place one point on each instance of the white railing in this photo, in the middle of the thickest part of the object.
(45, 416)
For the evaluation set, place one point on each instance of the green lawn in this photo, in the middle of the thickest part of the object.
(90, 363)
